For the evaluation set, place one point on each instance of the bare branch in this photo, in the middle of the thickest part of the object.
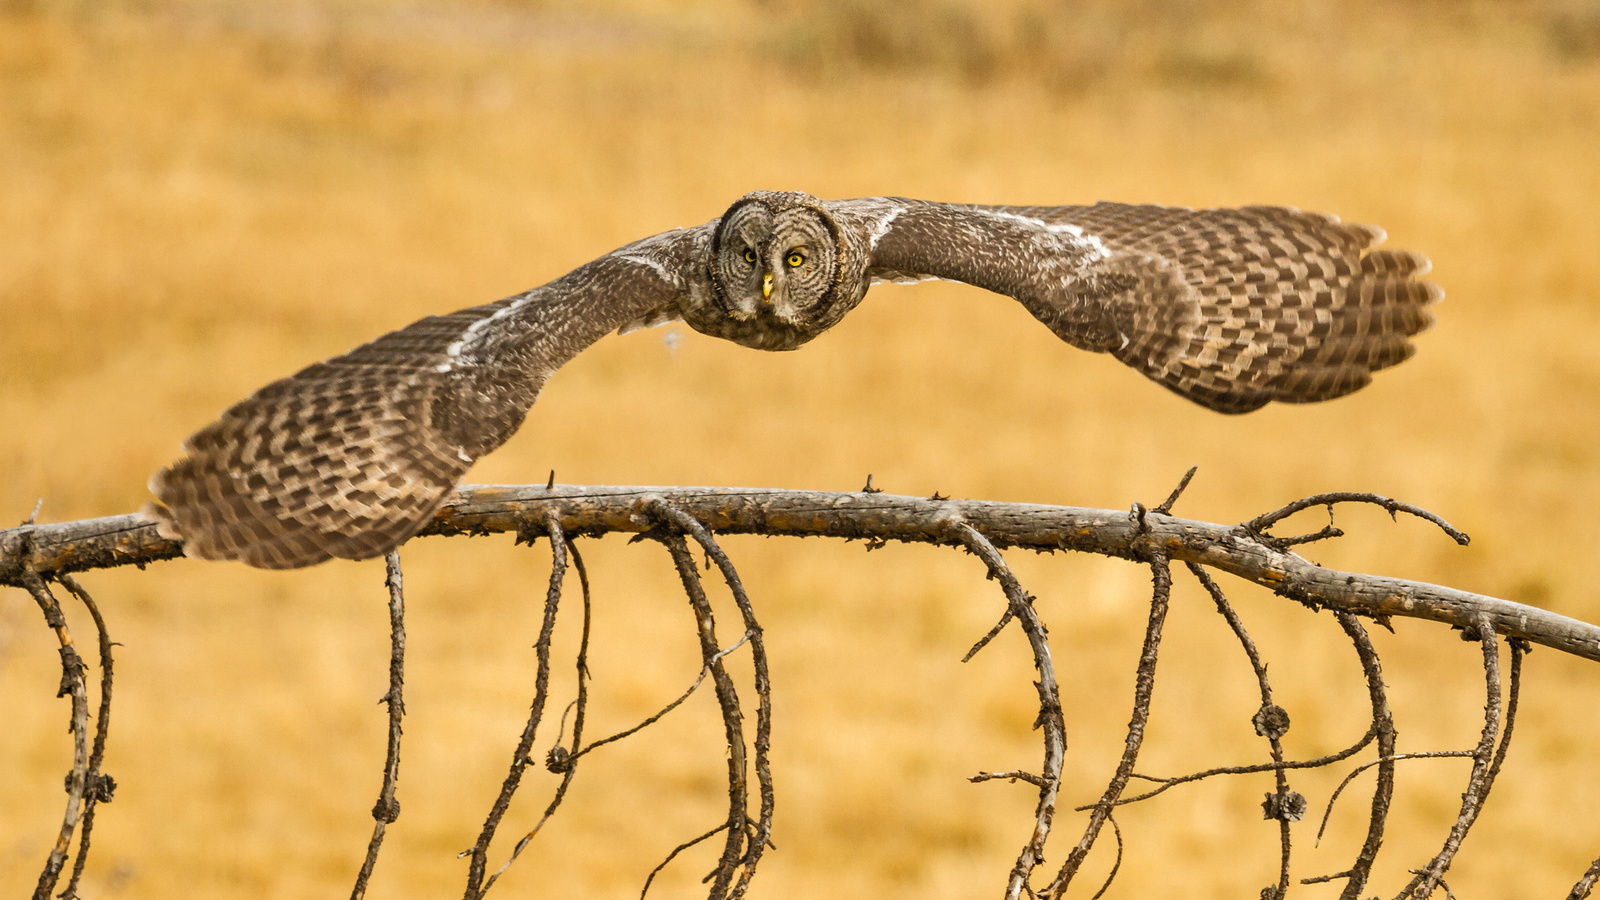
(763, 685)
(131, 539)
(561, 759)
(1271, 722)
(1482, 778)
(99, 787)
(1260, 523)
(732, 717)
(1020, 605)
(1144, 686)
(1383, 728)
(387, 809)
(1586, 883)
(73, 686)
(541, 689)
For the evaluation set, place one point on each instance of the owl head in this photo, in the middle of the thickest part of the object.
(782, 272)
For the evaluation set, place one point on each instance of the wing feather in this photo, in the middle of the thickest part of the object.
(351, 456)
(1232, 308)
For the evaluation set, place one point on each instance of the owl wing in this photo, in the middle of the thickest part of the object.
(352, 456)
(1231, 308)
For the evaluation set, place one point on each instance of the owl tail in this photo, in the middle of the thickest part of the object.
(1243, 307)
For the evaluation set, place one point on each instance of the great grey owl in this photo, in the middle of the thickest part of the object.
(1232, 308)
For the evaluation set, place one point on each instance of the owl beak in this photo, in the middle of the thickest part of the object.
(766, 286)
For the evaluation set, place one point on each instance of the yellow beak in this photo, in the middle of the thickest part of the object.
(766, 286)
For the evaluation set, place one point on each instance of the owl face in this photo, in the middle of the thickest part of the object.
(775, 273)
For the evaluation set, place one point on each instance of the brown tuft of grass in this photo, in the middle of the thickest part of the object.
(202, 196)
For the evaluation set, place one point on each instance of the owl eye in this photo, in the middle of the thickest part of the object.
(795, 260)
(750, 256)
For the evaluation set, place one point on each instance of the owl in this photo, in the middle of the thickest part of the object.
(1231, 308)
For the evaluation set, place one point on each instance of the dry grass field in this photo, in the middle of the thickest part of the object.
(197, 197)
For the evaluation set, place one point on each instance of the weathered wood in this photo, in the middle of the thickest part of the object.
(132, 540)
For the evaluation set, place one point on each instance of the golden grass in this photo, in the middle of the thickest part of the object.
(198, 198)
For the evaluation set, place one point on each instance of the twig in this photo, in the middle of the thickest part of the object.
(72, 685)
(1482, 778)
(1586, 884)
(1165, 508)
(1259, 524)
(671, 856)
(1014, 775)
(541, 689)
(1175, 781)
(728, 700)
(1383, 759)
(99, 787)
(1020, 605)
(1116, 865)
(762, 836)
(1005, 619)
(387, 809)
(1144, 686)
(705, 669)
(595, 510)
(1271, 722)
(1383, 728)
(561, 759)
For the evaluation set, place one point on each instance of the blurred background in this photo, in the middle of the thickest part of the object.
(199, 197)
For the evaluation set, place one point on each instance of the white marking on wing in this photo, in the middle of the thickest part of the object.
(1090, 243)
(881, 227)
(476, 332)
(902, 278)
(652, 265)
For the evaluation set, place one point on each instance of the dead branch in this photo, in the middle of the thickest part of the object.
(98, 787)
(732, 717)
(519, 758)
(73, 686)
(387, 809)
(592, 511)
(1144, 686)
(1019, 605)
(33, 555)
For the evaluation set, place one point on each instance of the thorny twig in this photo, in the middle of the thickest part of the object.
(562, 759)
(99, 787)
(1272, 722)
(519, 759)
(1586, 883)
(1151, 540)
(387, 809)
(72, 685)
(1484, 768)
(732, 717)
(1020, 605)
(1144, 686)
(761, 838)
(1259, 524)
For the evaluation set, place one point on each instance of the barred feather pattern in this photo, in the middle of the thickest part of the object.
(1236, 308)
(350, 457)
(340, 459)
(1231, 308)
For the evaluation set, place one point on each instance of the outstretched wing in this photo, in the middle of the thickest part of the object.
(1232, 308)
(350, 457)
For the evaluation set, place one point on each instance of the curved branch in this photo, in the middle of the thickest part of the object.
(132, 540)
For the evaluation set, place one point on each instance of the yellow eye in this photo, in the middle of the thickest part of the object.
(750, 257)
(795, 260)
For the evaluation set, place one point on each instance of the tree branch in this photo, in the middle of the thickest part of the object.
(132, 540)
